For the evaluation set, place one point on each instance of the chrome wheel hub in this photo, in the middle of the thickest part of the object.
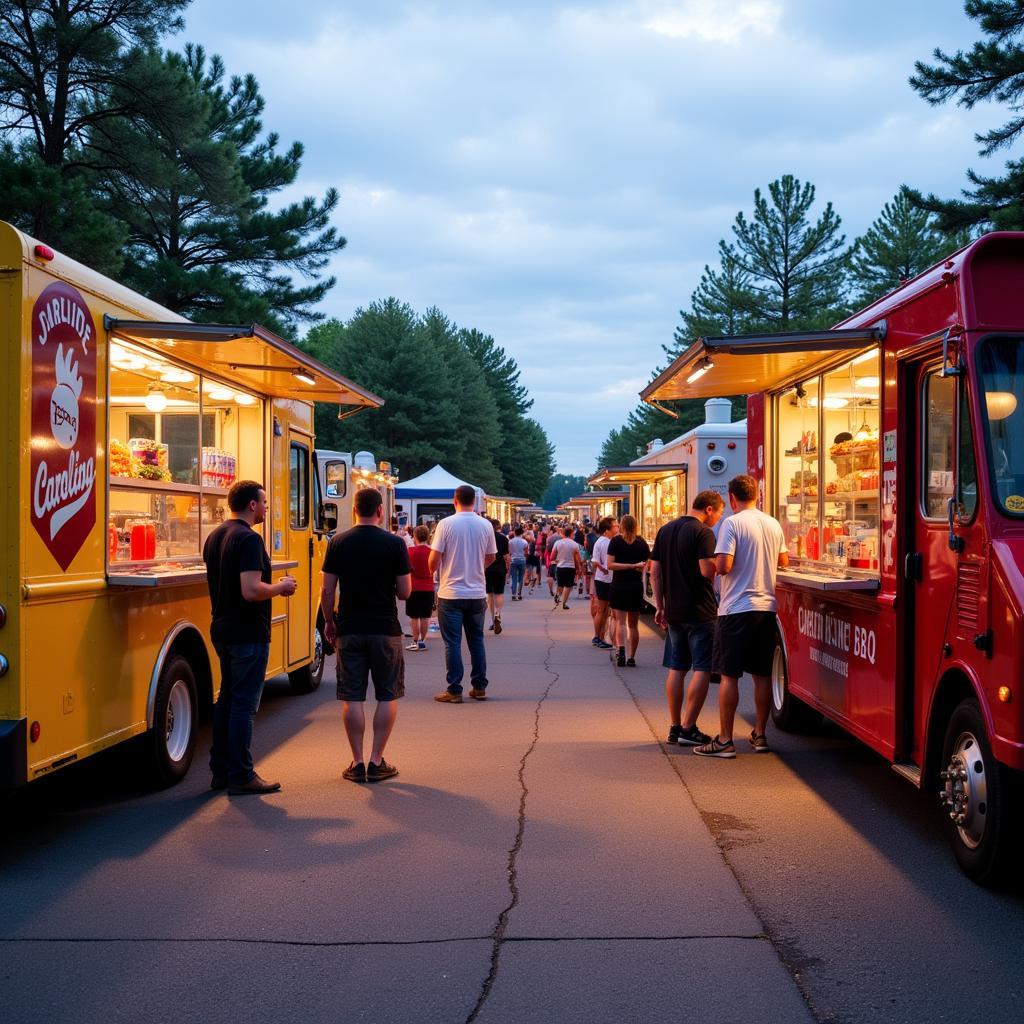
(965, 789)
(778, 679)
(318, 651)
(178, 724)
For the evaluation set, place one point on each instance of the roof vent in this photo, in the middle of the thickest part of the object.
(364, 460)
(653, 446)
(718, 410)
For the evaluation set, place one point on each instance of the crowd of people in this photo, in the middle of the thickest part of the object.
(713, 596)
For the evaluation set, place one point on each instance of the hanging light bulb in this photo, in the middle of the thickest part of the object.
(156, 400)
(864, 432)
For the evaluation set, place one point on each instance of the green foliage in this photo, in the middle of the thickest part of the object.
(451, 397)
(193, 188)
(899, 245)
(560, 489)
(793, 268)
(992, 70)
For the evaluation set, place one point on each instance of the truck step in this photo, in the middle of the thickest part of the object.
(910, 772)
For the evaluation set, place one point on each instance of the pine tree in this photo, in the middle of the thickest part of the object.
(992, 70)
(899, 245)
(194, 193)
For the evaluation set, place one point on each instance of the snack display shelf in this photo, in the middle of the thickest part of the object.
(131, 483)
(839, 497)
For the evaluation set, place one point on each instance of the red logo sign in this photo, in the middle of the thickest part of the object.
(63, 464)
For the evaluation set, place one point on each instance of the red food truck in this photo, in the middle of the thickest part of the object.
(891, 449)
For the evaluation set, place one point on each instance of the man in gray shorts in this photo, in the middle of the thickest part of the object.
(373, 569)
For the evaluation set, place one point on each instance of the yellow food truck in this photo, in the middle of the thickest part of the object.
(124, 427)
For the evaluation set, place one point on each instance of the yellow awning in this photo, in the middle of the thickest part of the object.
(249, 355)
(636, 474)
(717, 367)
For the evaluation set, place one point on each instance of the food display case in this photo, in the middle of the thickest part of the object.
(827, 481)
(178, 440)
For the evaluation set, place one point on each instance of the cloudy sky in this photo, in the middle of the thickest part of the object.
(558, 175)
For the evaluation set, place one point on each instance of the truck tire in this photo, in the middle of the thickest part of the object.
(789, 713)
(172, 740)
(307, 679)
(977, 793)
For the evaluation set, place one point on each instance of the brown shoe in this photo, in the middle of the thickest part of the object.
(478, 694)
(255, 785)
(219, 782)
(447, 697)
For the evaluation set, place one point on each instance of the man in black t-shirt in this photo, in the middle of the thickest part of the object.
(682, 575)
(373, 570)
(494, 578)
(238, 576)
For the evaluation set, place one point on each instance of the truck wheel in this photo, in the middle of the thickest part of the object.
(307, 679)
(789, 713)
(173, 736)
(975, 795)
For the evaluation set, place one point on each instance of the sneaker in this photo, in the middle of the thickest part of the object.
(603, 645)
(760, 743)
(254, 787)
(413, 646)
(421, 645)
(673, 733)
(631, 663)
(219, 782)
(620, 660)
(596, 642)
(565, 606)
(497, 626)
(447, 697)
(379, 772)
(478, 694)
(355, 772)
(716, 748)
(692, 737)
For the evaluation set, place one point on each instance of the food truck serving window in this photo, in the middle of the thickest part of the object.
(178, 440)
(826, 491)
(1001, 374)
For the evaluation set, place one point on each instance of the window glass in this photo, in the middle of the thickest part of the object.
(828, 480)
(298, 485)
(966, 468)
(335, 479)
(938, 430)
(1001, 365)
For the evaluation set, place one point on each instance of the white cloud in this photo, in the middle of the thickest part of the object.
(719, 21)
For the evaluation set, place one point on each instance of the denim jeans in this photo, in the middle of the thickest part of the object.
(453, 616)
(518, 570)
(243, 670)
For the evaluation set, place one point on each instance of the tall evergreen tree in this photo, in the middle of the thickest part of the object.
(562, 487)
(795, 267)
(525, 457)
(194, 194)
(60, 64)
(992, 70)
(901, 243)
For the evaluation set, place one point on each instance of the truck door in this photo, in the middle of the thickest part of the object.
(945, 563)
(300, 547)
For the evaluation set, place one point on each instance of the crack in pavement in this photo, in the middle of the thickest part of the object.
(498, 936)
(356, 943)
(791, 958)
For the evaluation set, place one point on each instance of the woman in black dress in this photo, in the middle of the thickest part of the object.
(628, 555)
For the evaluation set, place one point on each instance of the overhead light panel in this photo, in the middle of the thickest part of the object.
(304, 376)
(702, 367)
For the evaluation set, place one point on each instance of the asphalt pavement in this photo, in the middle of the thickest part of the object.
(540, 857)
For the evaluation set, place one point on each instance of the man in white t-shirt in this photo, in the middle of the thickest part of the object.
(751, 548)
(606, 529)
(566, 556)
(463, 546)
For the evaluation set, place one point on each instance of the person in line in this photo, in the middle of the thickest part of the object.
(606, 529)
(533, 559)
(627, 558)
(372, 568)
(565, 556)
(682, 578)
(517, 549)
(589, 540)
(495, 576)
(419, 605)
(579, 535)
(462, 547)
(751, 549)
(238, 576)
(551, 539)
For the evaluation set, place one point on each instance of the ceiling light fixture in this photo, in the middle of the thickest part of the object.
(305, 376)
(156, 400)
(702, 367)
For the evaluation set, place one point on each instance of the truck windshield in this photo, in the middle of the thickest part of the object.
(1001, 373)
